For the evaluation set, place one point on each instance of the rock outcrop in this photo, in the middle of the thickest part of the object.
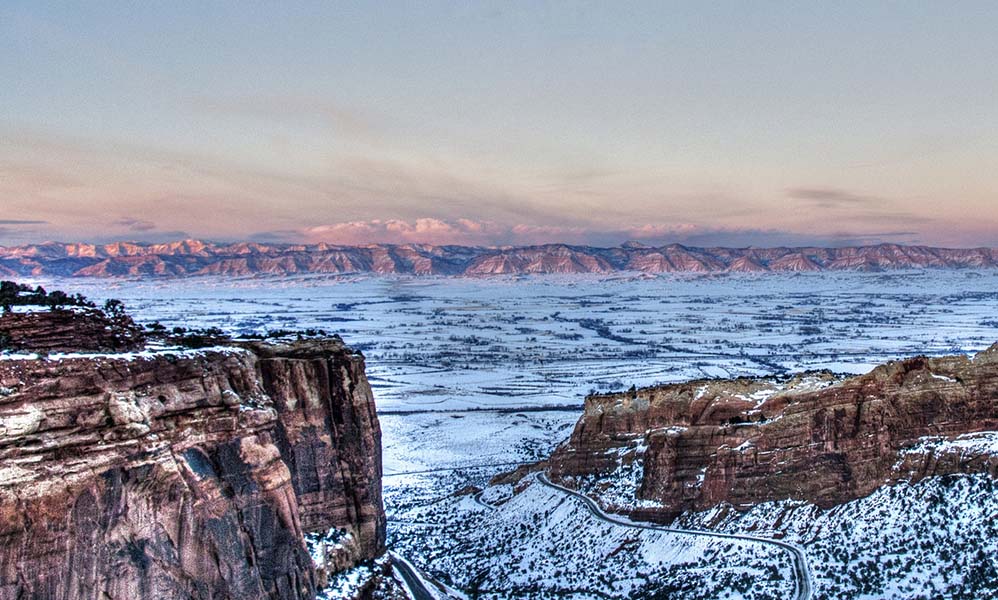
(328, 432)
(194, 257)
(815, 437)
(184, 474)
(73, 329)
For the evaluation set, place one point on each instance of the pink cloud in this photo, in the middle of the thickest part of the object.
(396, 231)
(658, 231)
(485, 233)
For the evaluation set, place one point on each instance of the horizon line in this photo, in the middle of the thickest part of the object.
(630, 244)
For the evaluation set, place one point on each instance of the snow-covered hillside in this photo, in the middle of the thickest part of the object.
(541, 543)
(934, 539)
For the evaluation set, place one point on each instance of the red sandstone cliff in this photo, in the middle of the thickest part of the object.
(695, 445)
(328, 432)
(186, 474)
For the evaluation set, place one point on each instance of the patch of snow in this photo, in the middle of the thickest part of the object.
(701, 477)
(149, 353)
(943, 378)
(968, 444)
(934, 538)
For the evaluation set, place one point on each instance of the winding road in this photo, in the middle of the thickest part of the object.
(802, 571)
(803, 587)
(412, 581)
(416, 583)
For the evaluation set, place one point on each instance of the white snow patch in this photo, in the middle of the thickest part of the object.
(128, 356)
(943, 378)
(972, 444)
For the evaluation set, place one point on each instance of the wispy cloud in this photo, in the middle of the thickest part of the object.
(372, 197)
(342, 119)
(135, 224)
(762, 238)
(423, 230)
(479, 233)
(822, 197)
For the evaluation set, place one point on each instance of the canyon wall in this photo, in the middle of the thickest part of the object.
(328, 432)
(814, 437)
(184, 474)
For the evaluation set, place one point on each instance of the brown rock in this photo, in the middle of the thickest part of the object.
(330, 434)
(813, 438)
(70, 330)
(174, 475)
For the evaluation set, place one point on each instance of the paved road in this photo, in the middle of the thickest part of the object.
(412, 580)
(802, 571)
(458, 468)
(417, 583)
(478, 500)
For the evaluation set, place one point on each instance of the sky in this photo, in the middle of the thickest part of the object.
(722, 123)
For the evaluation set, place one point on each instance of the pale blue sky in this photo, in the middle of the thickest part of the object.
(501, 122)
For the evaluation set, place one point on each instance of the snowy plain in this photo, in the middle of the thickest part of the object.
(473, 376)
(461, 345)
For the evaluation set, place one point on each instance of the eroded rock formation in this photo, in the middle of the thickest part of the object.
(188, 474)
(329, 433)
(815, 437)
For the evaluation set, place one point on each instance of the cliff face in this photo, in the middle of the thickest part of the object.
(183, 475)
(329, 434)
(828, 441)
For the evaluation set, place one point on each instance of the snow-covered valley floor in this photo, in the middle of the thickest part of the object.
(478, 375)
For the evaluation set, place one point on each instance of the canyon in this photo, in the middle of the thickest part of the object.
(247, 467)
(199, 258)
(184, 473)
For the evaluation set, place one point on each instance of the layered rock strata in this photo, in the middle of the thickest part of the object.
(71, 329)
(188, 474)
(815, 437)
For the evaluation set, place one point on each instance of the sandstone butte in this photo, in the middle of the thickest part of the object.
(186, 474)
(813, 437)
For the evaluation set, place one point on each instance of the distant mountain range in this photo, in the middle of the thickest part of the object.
(194, 257)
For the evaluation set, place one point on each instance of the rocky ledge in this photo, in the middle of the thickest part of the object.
(660, 451)
(69, 329)
(185, 473)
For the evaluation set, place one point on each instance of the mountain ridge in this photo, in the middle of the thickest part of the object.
(192, 257)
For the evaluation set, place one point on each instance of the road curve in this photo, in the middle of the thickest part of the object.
(412, 581)
(416, 583)
(477, 497)
(802, 571)
(448, 469)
